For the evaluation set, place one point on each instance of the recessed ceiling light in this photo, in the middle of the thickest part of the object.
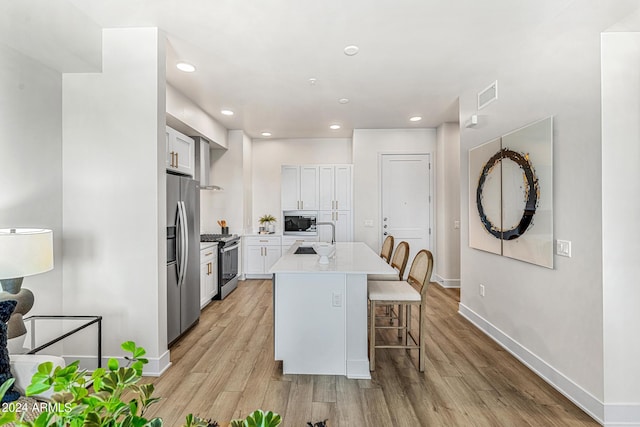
(351, 50)
(186, 67)
(313, 81)
(415, 119)
(266, 134)
(343, 100)
(227, 112)
(334, 127)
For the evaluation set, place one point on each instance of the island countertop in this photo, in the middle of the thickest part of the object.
(350, 257)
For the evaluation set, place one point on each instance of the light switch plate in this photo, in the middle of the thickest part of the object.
(456, 225)
(563, 248)
(368, 223)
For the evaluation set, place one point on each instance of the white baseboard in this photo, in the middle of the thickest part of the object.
(155, 367)
(582, 398)
(627, 415)
(447, 283)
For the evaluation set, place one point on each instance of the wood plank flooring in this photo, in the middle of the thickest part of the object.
(224, 369)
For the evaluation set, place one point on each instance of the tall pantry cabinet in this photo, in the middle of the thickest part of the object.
(325, 189)
(335, 200)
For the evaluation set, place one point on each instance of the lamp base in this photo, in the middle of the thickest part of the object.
(12, 290)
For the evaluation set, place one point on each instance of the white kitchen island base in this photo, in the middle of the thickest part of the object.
(320, 311)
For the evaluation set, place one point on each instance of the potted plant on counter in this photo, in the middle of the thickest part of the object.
(267, 223)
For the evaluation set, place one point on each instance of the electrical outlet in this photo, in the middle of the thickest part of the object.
(456, 225)
(336, 299)
(368, 223)
(481, 290)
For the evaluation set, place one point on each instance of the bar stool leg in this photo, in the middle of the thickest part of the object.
(400, 319)
(421, 349)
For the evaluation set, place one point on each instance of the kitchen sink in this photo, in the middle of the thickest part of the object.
(305, 250)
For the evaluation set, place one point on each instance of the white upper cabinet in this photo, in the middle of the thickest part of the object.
(180, 151)
(299, 186)
(335, 187)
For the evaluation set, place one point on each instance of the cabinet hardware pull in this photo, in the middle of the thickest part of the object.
(171, 164)
(302, 204)
(177, 161)
(265, 241)
(336, 204)
(209, 253)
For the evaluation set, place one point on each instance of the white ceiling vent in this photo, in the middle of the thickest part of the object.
(488, 95)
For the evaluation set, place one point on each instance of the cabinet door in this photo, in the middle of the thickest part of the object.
(204, 276)
(272, 254)
(342, 188)
(184, 147)
(325, 187)
(290, 188)
(344, 226)
(255, 260)
(324, 231)
(309, 188)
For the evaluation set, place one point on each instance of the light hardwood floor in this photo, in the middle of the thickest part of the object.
(224, 369)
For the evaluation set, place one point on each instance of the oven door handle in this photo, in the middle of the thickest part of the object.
(230, 248)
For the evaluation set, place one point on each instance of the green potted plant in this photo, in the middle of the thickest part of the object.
(74, 405)
(266, 221)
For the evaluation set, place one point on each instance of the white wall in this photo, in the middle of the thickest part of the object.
(447, 263)
(227, 171)
(114, 213)
(552, 319)
(184, 115)
(367, 145)
(270, 155)
(620, 228)
(31, 175)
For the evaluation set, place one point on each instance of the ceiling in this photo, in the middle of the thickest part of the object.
(256, 57)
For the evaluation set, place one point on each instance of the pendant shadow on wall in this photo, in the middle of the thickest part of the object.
(511, 194)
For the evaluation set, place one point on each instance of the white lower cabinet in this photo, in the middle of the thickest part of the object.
(261, 252)
(208, 274)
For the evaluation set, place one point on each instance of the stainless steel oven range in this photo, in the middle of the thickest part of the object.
(228, 250)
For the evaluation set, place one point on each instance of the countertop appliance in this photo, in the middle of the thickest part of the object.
(300, 223)
(183, 249)
(228, 251)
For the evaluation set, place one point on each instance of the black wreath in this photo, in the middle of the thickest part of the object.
(532, 195)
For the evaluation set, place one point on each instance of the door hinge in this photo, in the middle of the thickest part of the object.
(429, 231)
(429, 199)
(429, 165)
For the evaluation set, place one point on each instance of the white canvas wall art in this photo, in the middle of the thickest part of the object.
(511, 194)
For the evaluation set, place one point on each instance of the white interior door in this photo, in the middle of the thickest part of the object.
(406, 201)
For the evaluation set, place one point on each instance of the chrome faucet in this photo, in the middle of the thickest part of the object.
(333, 230)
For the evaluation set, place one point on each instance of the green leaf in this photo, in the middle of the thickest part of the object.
(92, 420)
(156, 422)
(113, 364)
(36, 388)
(129, 346)
(7, 417)
(5, 386)
(45, 368)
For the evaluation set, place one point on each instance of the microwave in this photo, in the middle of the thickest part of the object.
(299, 223)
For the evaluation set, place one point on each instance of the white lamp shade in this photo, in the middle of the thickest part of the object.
(25, 251)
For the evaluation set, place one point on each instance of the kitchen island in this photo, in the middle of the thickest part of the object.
(320, 311)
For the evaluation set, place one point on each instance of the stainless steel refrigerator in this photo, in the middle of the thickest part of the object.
(183, 251)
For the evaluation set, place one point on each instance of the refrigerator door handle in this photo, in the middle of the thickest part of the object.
(185, 240)
(181, 246)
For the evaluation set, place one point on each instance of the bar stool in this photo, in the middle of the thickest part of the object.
(407, 293)
(387, 248)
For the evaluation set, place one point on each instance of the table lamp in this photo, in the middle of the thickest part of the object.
(23, 252)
